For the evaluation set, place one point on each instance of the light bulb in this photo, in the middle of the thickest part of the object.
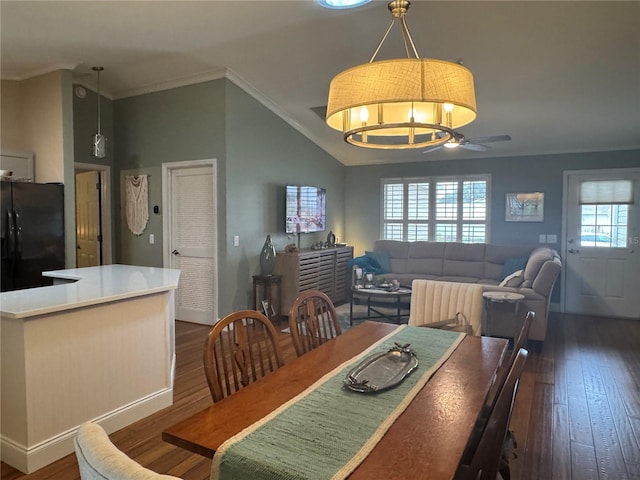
(448, 107)
(364, 114)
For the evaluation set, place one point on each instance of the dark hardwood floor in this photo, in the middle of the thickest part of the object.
(577, 413)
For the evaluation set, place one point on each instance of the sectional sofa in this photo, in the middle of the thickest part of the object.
(529, 270)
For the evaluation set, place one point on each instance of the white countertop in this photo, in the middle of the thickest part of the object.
(94, 285)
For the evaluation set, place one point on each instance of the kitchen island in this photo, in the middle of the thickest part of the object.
(98, 345)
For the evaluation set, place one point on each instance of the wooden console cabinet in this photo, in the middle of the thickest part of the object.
(324, 270)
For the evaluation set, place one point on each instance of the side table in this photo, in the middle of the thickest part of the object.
(266, 295)
(493, 299)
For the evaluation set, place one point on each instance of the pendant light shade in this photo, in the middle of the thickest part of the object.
(401, 103)
(98, 141)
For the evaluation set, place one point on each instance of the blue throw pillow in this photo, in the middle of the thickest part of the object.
(513, 264)
(381, 258)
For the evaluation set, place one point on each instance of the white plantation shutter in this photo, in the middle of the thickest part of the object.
(435, 208)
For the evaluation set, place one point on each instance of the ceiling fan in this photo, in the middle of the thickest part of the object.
(476, 144)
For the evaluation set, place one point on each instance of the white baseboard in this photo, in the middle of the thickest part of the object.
(29, 459)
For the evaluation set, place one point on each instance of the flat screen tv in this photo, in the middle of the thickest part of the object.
(305, 209)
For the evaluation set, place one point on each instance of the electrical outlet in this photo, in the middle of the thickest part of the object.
(152, 239)
(236, 240)
(542, 238)
(552, 238)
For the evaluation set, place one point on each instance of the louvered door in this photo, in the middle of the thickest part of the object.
(192, 243)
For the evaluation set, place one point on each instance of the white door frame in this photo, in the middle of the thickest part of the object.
(105, 192)
(565, 206)
(167, 216)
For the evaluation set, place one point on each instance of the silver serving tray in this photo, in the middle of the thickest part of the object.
(382, 370)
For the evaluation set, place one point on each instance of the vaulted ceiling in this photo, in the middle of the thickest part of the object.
(557, 76)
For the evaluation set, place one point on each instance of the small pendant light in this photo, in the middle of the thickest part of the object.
(99, 141)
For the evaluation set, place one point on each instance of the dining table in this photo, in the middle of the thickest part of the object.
(426, 438)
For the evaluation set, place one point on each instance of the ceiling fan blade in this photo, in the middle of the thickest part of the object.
(475, 147)
(432, 149)
(494, 138)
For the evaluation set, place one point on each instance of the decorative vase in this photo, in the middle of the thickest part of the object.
(267, 257)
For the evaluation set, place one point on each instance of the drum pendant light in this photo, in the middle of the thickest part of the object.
(401, 103)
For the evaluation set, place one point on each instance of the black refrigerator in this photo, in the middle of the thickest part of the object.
(32, 233)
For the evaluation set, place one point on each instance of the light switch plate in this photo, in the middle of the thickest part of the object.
(552, 238)
(542, 238)
(236, 240)
(152, 239)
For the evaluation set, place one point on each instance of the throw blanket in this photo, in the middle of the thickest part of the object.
(327, 430)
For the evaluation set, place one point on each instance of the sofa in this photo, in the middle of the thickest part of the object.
(529, 270)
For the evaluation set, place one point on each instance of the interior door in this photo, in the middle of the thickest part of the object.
(602, 236)
(87, 219)
(191, 244)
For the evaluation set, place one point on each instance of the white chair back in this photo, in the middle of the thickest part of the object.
(99, 459)
(433, 301)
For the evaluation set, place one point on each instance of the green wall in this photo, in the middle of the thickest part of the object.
(180, 124)
(257, 154)
(519, 174)
(264, 153)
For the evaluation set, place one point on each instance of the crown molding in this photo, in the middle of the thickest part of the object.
(42, 71)
(275, 108)
(175, 83)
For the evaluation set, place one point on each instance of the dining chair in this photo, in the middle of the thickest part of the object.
(240, 349)
(498, 383)
(99, 459)
(312, 321)
(485, 461)
(523, 336)
(453, 305)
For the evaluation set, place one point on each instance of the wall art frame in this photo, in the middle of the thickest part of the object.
(524, 207)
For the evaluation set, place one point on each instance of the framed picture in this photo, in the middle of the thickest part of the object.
(524, 207)
(268, 309)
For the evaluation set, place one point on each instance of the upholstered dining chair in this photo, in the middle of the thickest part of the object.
(487, 455)
(99, 459)
(240, 349)
(312, 321)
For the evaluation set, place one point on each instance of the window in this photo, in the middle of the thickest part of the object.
(440, 209)
(604, 225)
(604, 213)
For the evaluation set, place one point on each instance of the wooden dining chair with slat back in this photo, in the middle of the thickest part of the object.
(485, 460)
(312, 321)
(498, 383)
(523, 337)
(240, 349)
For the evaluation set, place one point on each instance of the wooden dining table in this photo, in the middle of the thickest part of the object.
(426, 441)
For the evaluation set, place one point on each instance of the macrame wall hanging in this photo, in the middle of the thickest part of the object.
(137, 203)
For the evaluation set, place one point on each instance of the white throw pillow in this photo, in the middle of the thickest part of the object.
(514, 280)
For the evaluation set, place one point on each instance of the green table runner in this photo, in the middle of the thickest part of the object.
(327, 430)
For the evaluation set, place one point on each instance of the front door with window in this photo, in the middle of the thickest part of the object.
(602, 250)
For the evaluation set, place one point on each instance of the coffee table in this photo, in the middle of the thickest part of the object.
(376, 298)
